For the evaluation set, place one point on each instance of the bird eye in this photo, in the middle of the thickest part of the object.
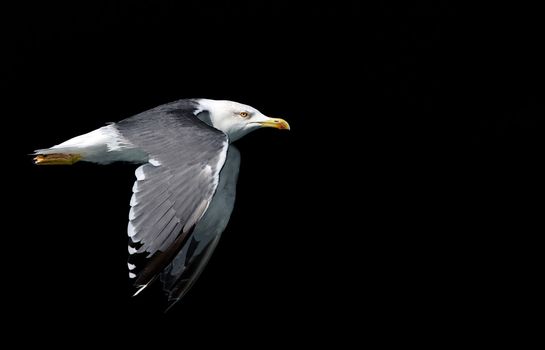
(244, 114)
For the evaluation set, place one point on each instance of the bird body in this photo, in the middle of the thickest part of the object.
(185, 186)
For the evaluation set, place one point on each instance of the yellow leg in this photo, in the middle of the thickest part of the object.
(56, 159)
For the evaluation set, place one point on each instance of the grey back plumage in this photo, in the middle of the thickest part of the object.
(174, 189)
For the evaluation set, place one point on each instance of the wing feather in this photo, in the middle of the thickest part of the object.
(188, 264)
(173, 191)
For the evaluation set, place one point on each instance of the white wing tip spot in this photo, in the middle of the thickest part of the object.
(154, 162)
(132, 214)
(131, 275)
(131, 229)
(132, 250)
(140, 173)
(131, 266)
(133, 199)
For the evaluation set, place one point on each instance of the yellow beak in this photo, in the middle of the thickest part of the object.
(276, 123)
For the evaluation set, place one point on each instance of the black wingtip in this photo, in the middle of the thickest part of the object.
(171, 303)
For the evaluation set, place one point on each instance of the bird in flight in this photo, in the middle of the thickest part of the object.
(185, 187)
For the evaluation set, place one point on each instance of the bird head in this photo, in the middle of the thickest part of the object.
(237, 119)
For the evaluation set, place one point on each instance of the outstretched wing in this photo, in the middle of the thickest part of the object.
(174, 189)
(186, 267)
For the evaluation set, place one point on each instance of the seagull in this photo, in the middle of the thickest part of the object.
(185, 186)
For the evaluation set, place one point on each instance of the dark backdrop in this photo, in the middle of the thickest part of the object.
(401, 198)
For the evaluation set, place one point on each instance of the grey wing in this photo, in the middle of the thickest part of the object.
(174, 189)
(180, 275)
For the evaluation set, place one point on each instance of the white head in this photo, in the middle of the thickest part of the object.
(236, 119)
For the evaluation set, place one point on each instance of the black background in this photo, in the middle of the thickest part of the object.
(404, 196)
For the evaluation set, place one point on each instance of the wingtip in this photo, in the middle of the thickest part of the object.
(171, 302)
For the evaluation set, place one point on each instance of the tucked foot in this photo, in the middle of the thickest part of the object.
(56, 159)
